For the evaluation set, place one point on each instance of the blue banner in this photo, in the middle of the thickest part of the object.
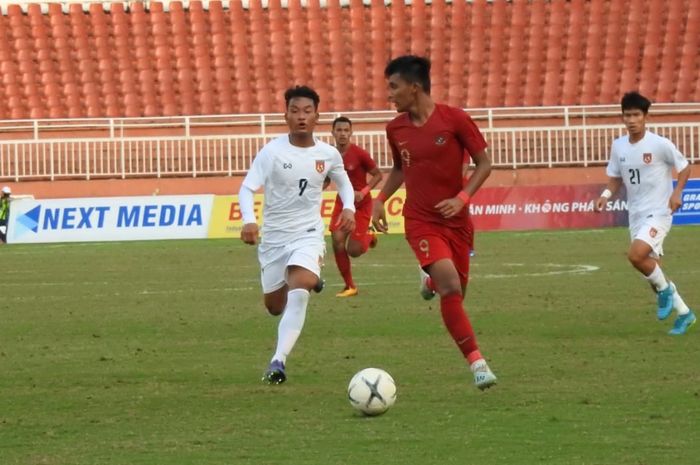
(689, 213)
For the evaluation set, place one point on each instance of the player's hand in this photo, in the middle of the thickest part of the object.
(601, 203)
(346, 222)
(379, 217)
(249, 233)
(675, 202)
(359, 196)
(450, 207)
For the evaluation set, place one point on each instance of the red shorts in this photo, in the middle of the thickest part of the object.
(431, 242)
(363, 215)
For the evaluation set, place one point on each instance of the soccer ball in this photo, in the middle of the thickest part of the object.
(372, 391)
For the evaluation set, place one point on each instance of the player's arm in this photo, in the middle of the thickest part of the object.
(370, 167)
(253, 181)
(346, 222)
(676, 200)
(392, 184)
(377, 177)
(613, 185)
(451, 207)
(614, 173)
(681, 165)
(474, 143)
(249, 232)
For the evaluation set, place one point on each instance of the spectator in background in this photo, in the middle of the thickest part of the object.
(4, 212)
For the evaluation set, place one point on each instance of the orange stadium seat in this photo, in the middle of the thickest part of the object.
(526, 53)
(399, 21)
(456, 70)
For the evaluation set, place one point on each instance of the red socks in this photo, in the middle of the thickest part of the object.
(342, 259)
(455, 318)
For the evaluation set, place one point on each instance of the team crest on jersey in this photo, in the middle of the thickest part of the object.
(653, 232)
(647, 158)
(320, 166)
(439, 140)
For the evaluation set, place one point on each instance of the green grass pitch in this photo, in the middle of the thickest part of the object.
(152, 353)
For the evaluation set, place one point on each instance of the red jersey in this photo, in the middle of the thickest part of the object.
(431, 158)
(358, 162)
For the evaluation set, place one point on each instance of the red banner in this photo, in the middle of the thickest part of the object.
(544, 207)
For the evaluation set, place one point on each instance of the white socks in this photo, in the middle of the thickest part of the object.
(657, 279)
(678, 302)
(291, 323)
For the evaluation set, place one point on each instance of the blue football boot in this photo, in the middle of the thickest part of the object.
(664, 301)
(682, 323)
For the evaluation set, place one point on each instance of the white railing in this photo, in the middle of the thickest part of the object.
(194, 155)
(273, 123)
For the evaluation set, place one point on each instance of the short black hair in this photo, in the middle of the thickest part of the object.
(411, 68)
(301, 91)
(635, 101)
(341, 119)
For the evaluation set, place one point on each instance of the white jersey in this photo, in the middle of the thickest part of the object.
(292, 178)
(646, 168)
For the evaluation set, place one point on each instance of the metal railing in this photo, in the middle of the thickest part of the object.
(205, 155)
(272, 123)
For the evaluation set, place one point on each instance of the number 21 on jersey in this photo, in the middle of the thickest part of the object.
(635, 177)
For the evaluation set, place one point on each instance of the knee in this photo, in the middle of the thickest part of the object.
(450, 287)
(338, 246)
(274, 310)
(274, 306)
(355, 252)
(634, 257)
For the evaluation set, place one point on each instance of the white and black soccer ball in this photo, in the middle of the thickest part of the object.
(372, 391)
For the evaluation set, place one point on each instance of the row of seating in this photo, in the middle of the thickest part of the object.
(139, 62)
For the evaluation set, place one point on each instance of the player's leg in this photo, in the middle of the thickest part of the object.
(340, 253)
(654, 232)
(435, 255)
(273, 264)
(449, 286)
(644, 253)
(303, 271)
(361, 238)
(640, 256)
(461, 241)
(342, 261)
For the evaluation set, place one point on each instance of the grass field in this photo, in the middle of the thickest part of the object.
(152, 353)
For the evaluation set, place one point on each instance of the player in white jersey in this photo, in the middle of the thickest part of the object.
(644, 163)
(292, 169)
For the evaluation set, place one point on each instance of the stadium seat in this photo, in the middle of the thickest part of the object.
(419, 27)
(529, 53)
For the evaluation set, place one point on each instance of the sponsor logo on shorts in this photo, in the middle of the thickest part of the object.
(647, 158)
(653, 232)
(439, 140)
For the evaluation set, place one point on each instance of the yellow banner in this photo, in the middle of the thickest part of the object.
(226, 213)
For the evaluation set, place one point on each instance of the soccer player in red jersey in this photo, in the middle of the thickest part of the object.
(358, 164)
(428, 141)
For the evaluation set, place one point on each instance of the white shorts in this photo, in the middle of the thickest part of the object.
(306, 253)
(652, 230)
